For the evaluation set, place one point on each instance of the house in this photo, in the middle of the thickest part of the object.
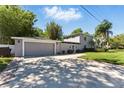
(39, 47)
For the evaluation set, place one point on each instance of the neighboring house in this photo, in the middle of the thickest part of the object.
(38, 47)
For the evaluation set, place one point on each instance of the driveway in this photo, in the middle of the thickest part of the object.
(65, 71)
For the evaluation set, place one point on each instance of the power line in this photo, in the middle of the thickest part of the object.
(90, 13)
(99, 15)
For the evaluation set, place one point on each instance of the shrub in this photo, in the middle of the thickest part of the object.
(79, 51)
(58, 53)
(89, 50)
(63, 52)
(70, 51)
(4, 62)
(101, 50)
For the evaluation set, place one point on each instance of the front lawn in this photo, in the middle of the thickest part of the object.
(115, 57)
(4, 61)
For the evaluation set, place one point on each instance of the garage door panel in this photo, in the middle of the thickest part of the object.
(38, 49)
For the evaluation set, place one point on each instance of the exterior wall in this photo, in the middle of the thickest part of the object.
(85, 43)
(18, 48)
(58, 48)
(73, 39)
(44, 49)
(38, 49)
(66, 46)
(12, 47)
(81, 39)
(88, 40)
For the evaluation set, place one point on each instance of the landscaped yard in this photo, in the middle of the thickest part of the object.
(115, 57)
(4, 61)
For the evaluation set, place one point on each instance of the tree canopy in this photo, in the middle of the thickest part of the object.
(54, 31)
(15, 21)
(102, 32)
(117, 41)
(77, 31)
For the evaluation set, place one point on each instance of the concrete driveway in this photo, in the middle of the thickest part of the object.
(61, 72)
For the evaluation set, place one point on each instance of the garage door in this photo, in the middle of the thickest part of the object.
(38, 49)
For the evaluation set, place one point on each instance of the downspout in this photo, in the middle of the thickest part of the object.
(55, 48)
(23, 50)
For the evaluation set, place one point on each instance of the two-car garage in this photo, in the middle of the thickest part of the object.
(38, 49)
(31, 47)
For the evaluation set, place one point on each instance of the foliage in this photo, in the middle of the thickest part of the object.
(4, 62)
(117, 41)
(70, 36)
(38, 32)
(101, 50)
(86, 34)
(54, 31)
(110, 57)
(70, 51)
(102, 33)
(15, 21)
(77, 31)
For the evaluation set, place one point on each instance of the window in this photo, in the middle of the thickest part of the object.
(85, 38)
(18, 41)
(73, 47)
(84, 46)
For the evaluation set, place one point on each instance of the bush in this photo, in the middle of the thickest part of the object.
(79, 51)
(58, 53)
(89, 50)
(106, 49)
(4, 62)
(63, 52)
(70, 51)
(101, 50)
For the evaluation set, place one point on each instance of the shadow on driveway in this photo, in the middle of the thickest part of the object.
(65, 73)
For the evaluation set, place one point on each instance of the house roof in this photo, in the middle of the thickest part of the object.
(70, 36)
(35, 39)
(75, 35)
(70, 42)
(31, 39)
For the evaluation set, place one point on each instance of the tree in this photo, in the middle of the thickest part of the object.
(77, 31)
(54, 31)
(37, 32)
(86, 34)
(103, 32)
(15, 21)
(117, 41)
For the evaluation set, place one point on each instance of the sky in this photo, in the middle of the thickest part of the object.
(71, 17)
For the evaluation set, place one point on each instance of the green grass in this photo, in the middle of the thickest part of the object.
(114, 57)
(4, 61)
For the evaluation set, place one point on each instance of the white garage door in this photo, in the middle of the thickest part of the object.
(38, 49)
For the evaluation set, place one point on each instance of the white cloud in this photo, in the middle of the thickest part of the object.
(62, 14)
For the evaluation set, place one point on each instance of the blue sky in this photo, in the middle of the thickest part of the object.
(72, 17)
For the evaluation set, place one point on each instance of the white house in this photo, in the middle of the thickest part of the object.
(38, 47)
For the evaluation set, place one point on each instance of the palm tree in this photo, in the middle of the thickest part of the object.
(102, 32)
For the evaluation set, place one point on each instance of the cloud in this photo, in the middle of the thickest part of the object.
(62, 14)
